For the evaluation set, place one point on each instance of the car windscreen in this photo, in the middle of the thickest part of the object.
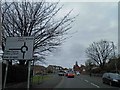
(104, 75)
(70, 72)
(115, 76)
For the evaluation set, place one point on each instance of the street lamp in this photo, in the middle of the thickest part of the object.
(114, 56)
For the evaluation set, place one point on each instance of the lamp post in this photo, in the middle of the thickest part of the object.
(114, 57)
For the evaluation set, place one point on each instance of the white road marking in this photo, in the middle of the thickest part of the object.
(86, 80)
(95, 85)
(90, 83)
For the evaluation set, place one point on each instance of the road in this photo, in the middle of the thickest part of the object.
(82, 81)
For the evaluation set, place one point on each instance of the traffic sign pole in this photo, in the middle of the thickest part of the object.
(28, 83)
(6, 71)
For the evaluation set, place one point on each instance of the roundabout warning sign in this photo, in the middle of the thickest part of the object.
(19, 48)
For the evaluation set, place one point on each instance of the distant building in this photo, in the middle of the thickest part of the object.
(37, 69)
(76, 68)
(54, 68)
(80, 69)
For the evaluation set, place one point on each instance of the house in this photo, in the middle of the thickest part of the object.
(76, 68)
(82, 69)
(54, 68)
(37, 69)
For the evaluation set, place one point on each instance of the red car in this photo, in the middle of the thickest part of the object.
(66, 74)
(70, 75)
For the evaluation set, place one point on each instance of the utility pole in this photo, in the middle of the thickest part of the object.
(114, 57)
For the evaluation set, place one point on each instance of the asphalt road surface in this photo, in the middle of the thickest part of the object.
(82, 81)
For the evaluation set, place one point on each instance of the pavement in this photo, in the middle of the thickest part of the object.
(17, 85)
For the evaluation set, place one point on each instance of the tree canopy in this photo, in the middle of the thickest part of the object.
(36, 19)
(100, 52)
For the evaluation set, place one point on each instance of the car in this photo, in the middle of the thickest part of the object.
(70, 75)
(61, 73)
(66, 73)
(111, 79)
(77, 73)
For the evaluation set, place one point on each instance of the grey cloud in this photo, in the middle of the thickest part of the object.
(96, 21)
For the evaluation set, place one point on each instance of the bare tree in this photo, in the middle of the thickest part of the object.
(36, 19)
(100, 52)
(89, 65)
(89, 62)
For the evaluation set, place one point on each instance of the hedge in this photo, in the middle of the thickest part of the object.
(16, 73)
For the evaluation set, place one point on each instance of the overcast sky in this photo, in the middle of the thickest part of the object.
(96, 21)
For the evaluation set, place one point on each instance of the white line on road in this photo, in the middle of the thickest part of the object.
(95, 85)
(86, 80)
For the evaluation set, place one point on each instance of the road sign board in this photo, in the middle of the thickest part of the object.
(19, 48)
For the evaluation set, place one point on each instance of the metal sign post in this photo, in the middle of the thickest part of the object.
(28, 82)
(6, 71)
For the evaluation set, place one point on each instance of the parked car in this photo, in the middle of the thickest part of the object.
(70, 75)
(111, 79)
(61, 73)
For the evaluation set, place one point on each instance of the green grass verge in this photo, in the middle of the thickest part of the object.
(39, 78)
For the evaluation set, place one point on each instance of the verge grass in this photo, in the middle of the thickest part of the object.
(39, 78)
